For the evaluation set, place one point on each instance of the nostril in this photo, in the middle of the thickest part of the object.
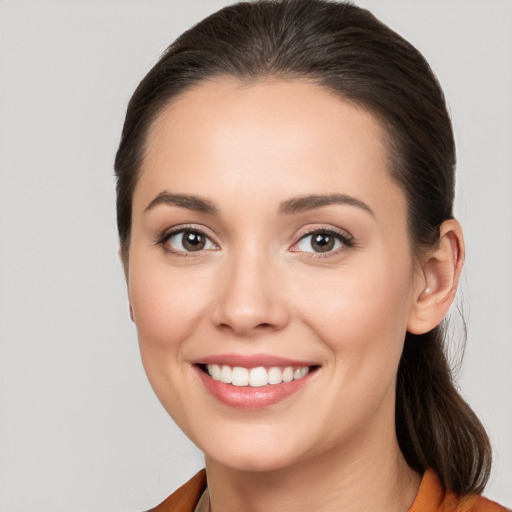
(260, 327)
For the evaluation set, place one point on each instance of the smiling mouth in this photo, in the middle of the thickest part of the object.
(256, 377)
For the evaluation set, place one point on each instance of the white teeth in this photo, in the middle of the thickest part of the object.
(214, 371)
(275, 375)
(288, 374)
(225, 374)
(258, 377)
(240, 376)
(255, 377)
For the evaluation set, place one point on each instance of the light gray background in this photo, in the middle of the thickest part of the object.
(80, 428)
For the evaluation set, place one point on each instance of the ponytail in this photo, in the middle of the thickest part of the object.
(436, 428)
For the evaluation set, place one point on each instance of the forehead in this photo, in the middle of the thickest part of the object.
(262, 110)
(294, 134)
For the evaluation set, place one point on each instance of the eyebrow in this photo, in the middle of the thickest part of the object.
(293, 205)
(190, 202)
(310, 202)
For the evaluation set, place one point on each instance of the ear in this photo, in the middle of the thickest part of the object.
(437, 279)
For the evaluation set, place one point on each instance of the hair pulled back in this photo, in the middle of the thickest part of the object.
(349, 52)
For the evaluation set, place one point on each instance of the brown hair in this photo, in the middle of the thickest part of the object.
(348, 51)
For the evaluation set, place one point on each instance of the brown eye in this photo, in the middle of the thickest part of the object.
(189, 241)
(193, 241)
(323, 241)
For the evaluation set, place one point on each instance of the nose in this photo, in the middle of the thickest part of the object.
(251, 298)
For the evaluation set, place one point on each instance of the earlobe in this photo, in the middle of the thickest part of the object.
(438, 279)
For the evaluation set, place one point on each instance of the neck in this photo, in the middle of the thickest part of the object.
(375, 477)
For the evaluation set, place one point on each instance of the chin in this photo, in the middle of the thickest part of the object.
(252, 462)
(259, 452)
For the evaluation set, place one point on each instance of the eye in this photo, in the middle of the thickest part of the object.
(188, 240)
(323, 241)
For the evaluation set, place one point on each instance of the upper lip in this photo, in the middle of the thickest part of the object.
(253, 360)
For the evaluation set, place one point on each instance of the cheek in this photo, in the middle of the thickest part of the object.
(168, 307)
(361, 316)
(167, 304)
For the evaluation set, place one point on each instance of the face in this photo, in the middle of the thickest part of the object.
(270, 272)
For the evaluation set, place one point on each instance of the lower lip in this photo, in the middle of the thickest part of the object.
(246, 397)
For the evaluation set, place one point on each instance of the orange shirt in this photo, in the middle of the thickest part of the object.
(430, 498)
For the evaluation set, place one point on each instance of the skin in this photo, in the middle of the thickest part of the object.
(258, 287)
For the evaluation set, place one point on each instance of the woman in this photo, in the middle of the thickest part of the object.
(285, 192)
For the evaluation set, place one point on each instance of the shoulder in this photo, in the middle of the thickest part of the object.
(432, 498)
(186, 497)
(473, 504)
(482, 504)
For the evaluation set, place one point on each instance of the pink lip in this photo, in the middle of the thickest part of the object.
(246, 397)
(253, 361)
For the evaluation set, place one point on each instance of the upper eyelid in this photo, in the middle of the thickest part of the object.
(174, 230)
(342, 233)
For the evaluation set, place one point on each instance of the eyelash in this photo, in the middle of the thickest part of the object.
(164, 237)
(346, 240)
